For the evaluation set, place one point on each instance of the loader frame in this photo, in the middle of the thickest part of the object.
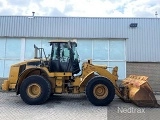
(57, 79)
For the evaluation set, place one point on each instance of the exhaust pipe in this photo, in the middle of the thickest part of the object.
(35, 52)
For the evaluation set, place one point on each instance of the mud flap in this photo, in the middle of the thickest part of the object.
(139, 91)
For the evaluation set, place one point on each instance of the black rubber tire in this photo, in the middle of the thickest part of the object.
(90, 87)
(45, 90)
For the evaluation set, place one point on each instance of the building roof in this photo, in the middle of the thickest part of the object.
(69, 27)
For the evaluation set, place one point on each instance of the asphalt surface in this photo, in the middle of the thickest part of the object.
(72, 107)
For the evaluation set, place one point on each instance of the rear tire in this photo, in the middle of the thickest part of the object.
(100, 91)
(35, 90)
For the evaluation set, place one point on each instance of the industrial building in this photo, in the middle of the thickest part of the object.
(132, 44)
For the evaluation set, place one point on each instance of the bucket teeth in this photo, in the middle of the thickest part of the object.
(138, 91)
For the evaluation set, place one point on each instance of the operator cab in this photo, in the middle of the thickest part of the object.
(64, 57)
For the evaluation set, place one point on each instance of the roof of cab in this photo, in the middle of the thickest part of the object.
(62, 41)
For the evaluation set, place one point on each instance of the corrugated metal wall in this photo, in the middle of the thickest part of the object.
(142, 44)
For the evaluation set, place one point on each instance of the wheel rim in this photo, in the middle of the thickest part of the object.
(34, 90)
(100, 91)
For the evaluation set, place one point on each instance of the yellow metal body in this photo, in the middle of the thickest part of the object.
(57, 79)
(10, 83)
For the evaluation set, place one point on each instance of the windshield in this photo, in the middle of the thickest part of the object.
(61, 51)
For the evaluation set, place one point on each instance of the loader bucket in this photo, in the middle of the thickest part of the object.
(138, 91)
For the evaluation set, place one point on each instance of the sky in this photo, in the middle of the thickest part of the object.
(81, 8)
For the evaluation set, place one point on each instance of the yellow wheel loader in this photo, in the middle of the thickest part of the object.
(35, 80)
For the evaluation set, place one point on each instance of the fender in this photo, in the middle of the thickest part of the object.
(28, 72)
(86, 79)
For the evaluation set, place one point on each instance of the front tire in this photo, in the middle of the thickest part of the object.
(35, 90)
(100, 91)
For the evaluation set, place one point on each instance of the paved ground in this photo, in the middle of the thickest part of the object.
(1, 81)
(72, 107)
